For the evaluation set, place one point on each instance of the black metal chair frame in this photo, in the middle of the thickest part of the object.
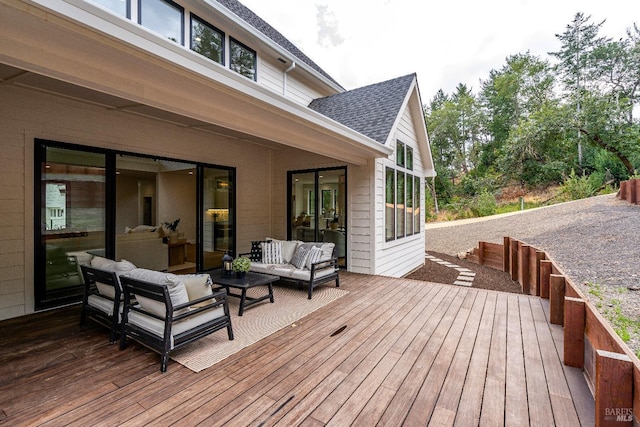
(162, 345)
(91, 276)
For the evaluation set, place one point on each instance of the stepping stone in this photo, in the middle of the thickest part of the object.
(459, 283)
(436, 259)
(465, 278)
(468, 273)
(464, 270)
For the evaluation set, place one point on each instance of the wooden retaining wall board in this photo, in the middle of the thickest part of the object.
(630, 191)
(611, 368)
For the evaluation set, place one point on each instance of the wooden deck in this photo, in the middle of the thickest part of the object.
(412, 353)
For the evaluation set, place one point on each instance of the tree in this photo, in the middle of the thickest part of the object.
(601, 79)
(521, 87)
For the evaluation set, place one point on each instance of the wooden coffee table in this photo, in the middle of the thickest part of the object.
(250, 280)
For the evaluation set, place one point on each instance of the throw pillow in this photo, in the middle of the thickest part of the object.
(272, 252)
(327, 251)
(314, 256)
(256, 251)
(300, 257)
(288, 250)
(198, 286)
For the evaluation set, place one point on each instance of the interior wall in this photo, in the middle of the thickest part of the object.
(176, 193)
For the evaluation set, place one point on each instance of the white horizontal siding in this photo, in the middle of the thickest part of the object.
(270, 75)
(401, 256)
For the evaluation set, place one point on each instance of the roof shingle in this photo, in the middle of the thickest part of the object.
(371, 110)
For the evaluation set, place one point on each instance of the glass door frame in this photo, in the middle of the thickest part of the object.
(318, 201)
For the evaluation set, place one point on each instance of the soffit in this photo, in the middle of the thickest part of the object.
(57, 55)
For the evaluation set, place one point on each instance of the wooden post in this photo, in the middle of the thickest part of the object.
(614, 389)
(556, 299)
(623, 190)
(631, 191)
(545, 272)
(506, 250)
(574, 323)
(481, 253)
(523, 267)
(637, 180)
(513, 257)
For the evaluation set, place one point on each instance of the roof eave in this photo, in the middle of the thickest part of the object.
(273, 45)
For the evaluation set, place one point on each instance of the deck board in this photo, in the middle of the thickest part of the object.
(412, 352)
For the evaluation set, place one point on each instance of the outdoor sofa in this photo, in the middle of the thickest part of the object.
(308, 264)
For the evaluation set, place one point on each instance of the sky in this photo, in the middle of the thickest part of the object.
(360, 42)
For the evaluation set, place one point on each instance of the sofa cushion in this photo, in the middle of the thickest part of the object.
(300, 257)
(313, 256)
(272, 252)
(306, 274)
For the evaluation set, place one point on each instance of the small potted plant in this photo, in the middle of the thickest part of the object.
(240, 266)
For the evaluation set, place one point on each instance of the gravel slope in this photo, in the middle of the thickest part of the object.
(595, 241)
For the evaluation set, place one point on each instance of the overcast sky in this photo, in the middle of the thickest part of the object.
(359, 42)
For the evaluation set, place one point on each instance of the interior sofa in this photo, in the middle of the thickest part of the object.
(308, 264)
(145, 249)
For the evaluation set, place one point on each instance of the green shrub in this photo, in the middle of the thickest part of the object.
(484, 204)
(576, 187)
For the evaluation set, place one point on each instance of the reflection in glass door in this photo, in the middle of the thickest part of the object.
(72, 186)
(318, 209)
(218, 216)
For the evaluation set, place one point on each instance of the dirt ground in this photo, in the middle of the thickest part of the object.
(486, 277)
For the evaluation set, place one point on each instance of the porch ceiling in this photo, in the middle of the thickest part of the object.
(53, 53)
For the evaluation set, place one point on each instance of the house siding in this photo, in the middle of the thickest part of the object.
(36, 115)
(401, 256)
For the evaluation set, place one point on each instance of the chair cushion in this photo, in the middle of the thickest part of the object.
(198, 286)
(118, 267)
(177, 290)
(104, 305)
(156, 326)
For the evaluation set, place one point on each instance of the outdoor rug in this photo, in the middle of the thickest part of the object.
(257, 322)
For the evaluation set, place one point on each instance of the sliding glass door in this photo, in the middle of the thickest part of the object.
(218, 215)
(160, 214)
(72, 219)
(318, 208)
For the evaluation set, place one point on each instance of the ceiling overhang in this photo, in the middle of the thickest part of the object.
(83, 52)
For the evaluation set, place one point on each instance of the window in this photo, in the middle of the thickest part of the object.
(242, 59)
(206, 40)
(164, 17)
(402, 196)
(390, 205)
(400, 153)
(416, 205)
